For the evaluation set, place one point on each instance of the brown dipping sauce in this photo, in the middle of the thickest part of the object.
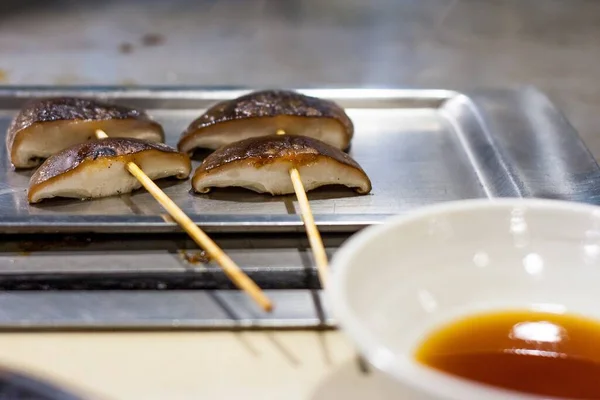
(533, 352)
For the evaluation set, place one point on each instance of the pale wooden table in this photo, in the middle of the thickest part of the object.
(198, 365)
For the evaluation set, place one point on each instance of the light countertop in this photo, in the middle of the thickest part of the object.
(192, 365)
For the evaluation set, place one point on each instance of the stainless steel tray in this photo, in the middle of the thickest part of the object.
(419, 147)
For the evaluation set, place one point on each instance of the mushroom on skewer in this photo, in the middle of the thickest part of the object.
(264, 113)
(283, 164)
(45, 127)
(263, 165)
(98, 168)
(231, 269)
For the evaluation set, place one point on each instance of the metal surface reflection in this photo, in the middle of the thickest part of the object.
(418, 147)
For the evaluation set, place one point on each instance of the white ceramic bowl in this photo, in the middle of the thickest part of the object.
(395, 282)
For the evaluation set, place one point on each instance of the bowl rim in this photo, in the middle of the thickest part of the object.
(408, 371)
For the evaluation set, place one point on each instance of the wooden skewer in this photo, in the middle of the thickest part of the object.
(314, 237)
(235, 273)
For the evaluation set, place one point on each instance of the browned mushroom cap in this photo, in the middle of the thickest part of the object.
(263, 164)
(97, 168)
(45, 127)
(263, 113)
